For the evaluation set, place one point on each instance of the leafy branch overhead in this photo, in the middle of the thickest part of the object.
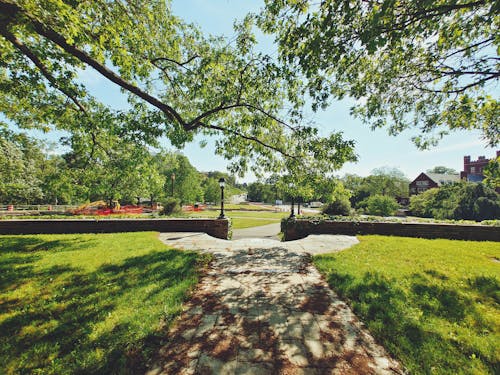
(180, 83)
(427, 64)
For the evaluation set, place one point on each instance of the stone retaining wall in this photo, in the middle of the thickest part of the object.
(296, 229)
(214, 227)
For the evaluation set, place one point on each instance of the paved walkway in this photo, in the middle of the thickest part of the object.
(269, 231)
(262, 308)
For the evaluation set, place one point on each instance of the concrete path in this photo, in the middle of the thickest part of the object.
(262, 308)
(314, 244)
(265, 231)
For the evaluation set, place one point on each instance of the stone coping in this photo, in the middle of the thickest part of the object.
(300, 228)
(218, 228)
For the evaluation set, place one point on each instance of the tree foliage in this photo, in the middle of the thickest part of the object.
(339, 203)
(180, 83)
(442, 170)
(382, 181)
(492, 174)
(426, 64)
(20, 158)
(461, 201)
(99, 166)
(381, 205)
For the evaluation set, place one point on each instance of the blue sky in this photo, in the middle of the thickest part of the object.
(374, 148)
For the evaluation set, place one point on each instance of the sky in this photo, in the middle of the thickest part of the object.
(374, 148)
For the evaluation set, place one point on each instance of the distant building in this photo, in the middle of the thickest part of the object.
(473, 169)
(426, 181)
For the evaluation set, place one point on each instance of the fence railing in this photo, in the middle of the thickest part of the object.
(37, 207)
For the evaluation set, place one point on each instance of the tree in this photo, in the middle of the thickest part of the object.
(261, 192)
(57, 182)
(461, 201)
(442, 170)
(109, 167)
(492, 174)
(381, 205)
(212, 192)
(187, 181)
(19, 168)
(339, 201)
(422, 204)
(383, 181)
(179, 82)
(425, 64)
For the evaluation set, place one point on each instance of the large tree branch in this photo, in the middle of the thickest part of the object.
(425, 14)
(12, 14)
(461, 89)
(39, 64)
(197, 122)
(178, 63)
(248, 138)
(59, 40)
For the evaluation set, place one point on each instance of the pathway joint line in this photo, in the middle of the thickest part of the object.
(263, 308)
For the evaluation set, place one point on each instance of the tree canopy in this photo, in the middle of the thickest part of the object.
(179, 82)
(440, 169)
(429, 64)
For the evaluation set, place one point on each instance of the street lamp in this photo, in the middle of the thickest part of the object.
(222, 184)
(173, 180)
(292, 213)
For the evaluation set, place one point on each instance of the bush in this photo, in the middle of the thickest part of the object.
(340, 206)
(381, 205)
(461, 201)
(422, 204)
(170, 206)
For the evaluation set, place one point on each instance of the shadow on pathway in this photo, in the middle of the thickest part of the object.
(266, 310)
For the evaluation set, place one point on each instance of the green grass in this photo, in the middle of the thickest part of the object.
(88, 303)
(247, 207)
(434, 304)
(240, 223)
(245, 219)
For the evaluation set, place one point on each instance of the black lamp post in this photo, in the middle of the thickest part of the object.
(173, 180)
(292, 212)
(222, 184)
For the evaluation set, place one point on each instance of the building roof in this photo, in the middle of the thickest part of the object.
(442, 179)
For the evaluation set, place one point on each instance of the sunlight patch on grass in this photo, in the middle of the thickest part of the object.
(434, 304)
(88, 303)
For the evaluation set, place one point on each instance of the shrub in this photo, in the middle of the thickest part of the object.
(170, 206)
(381, 205)
(422, 204)
(485, 209)
(341, 206)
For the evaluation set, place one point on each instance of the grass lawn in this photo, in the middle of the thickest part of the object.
(88, 303)
(245, 219)
(434, 304)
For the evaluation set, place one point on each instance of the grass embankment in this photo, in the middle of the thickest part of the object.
(434, 304)
(88, 303)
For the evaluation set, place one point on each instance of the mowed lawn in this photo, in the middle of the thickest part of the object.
(434, 304)
(245, 219)
(88, 303)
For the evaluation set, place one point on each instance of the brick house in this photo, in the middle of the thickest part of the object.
(426, 181)
(473, 169)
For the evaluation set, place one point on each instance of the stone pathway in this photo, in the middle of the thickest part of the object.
(266, 310)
